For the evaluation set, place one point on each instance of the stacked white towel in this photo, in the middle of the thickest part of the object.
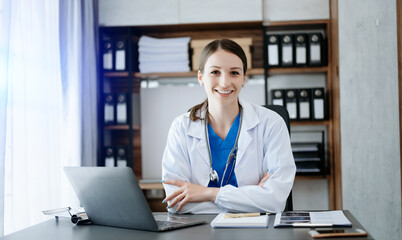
(163, 55)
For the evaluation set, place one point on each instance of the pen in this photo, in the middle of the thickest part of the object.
(240, 215)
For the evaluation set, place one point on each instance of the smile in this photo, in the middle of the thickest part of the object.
(224, 92)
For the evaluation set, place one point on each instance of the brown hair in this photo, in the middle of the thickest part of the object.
(219, 44)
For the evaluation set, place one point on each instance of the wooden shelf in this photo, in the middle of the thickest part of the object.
(309, 123)
(296, 23)
(250, 72)
(116, 74)
(122, 127)
(297, 70)
(151, 185)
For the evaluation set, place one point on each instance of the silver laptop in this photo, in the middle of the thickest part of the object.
(112, 197)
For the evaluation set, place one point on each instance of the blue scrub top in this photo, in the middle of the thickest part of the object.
(220, 150)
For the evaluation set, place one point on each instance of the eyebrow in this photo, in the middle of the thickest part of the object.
(230, 68)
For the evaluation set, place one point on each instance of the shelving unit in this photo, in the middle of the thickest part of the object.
(312, 25)
(130, 80)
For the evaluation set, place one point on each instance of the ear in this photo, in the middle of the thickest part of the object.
(200, 81)
(244, 80)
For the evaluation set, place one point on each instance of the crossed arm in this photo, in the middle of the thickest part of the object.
(188, 192)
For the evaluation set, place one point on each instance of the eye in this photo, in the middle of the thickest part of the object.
(235, 73)
(215, 72)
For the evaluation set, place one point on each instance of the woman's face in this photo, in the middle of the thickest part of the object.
(223, 77)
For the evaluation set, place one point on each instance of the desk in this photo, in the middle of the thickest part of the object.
(63, 229)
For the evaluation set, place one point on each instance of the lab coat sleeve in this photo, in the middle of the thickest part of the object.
(272, 196)
(176, 166)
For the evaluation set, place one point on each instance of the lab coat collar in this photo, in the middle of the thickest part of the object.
(250, 120)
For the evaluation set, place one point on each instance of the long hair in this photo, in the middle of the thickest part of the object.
(219, 44)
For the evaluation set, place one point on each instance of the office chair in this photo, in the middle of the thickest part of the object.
(281, 110)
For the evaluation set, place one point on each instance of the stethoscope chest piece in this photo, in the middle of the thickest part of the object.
(213, 176)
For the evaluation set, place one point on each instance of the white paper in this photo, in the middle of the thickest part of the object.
(109, 162)
(331, 217)
(121, 113)
(109, 113)
(120, 60)
(277, 102)
(121, 163)
(287, 55)
(318, 109)
(273, 55)
(304, 110)
(291, 107)
(242, 222)
(315, 53)
(301, 55)
(108, 61)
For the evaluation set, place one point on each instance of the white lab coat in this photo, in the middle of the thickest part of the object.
(263, 144)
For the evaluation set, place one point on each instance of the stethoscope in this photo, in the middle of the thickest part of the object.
(213, 175)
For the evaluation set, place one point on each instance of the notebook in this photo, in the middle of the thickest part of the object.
(112, 197)
(242, 222)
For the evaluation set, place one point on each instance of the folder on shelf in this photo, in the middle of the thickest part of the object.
(121, 157)
(273, 50)
(121, 108)
(109, 157)
(304, 97)
(120, 55)
(318, 103)
(315, 47)
(107, 55)
(291, 103)
(287, 50)
(278, 97)
(301, 49)
(109, 109)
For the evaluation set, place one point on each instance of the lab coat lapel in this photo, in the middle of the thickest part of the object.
(196, 130)
(250, 121)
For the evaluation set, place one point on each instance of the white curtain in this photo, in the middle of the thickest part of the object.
(42, 68)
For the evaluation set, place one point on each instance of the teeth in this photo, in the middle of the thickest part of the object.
(224, 92)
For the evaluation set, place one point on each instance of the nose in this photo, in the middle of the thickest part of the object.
(225, 80)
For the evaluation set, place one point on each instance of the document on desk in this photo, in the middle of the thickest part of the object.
(312, 219)
(240, 222)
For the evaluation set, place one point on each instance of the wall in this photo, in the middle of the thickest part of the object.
(368, 71)
(288, 10)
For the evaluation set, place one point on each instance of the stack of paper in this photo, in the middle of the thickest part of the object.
(242, 222)
(163, 55)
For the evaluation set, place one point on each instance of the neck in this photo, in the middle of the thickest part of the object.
(222, 117)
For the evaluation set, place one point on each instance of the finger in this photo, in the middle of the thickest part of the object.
(176, 200)
(181, 204)
(173, 195)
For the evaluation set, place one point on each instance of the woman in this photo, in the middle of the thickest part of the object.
(227, 154)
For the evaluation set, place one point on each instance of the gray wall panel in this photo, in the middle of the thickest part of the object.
(369, 115)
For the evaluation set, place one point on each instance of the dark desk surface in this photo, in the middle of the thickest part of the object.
(63, 229)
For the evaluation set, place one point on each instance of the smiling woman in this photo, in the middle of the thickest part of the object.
(218, 155)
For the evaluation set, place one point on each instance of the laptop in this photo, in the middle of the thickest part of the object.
(112, 197)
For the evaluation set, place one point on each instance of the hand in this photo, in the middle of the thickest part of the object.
(267, 175)
(189, 192)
